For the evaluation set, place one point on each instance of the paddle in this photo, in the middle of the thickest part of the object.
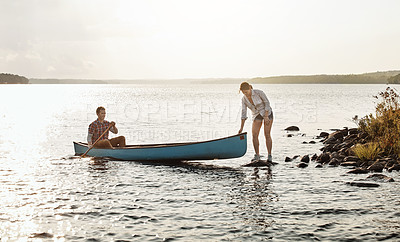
(101, 136)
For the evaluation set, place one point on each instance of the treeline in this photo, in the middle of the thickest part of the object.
(6, 78)
(394, 79)
(65, 81)
(367, 78)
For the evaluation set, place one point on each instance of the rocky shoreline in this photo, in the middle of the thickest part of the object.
(337, 151)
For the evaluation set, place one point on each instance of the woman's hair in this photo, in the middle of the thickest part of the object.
(245, 86)
(99, 109)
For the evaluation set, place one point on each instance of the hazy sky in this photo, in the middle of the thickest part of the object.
(132, 39)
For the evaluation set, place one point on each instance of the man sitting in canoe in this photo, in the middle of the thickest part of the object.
(97, 128)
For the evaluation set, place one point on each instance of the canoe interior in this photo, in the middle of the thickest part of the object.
(166, 144)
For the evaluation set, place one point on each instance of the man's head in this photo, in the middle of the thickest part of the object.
(101, 113)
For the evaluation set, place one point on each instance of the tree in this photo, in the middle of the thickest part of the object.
(6, 78)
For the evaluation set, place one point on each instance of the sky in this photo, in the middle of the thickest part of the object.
(175, 39)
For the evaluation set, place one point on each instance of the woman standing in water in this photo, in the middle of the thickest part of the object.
(258, 103)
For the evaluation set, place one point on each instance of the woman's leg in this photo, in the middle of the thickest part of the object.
(267, 133)
(255, 132)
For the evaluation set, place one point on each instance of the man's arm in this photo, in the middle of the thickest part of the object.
(90, 134)
(89, 138)
(113, 128)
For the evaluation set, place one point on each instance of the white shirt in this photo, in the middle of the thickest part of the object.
(261, 104)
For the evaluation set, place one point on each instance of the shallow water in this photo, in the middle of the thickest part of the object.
(47, 193)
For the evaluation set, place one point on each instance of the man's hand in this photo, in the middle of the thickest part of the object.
(112, 123)
(90, 145)
(240, 131)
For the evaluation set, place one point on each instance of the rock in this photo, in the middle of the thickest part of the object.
(305, 159)
(312, 142)
(295, 157)
(338, 134)
(395, 167)
(351, 158)
(369, 163)
(350, 137)
(290, 135)
(288, 159)
(43, 235)
(353, 131)
(327, 148)
(302, 165)
(358, 171)
(336, 147)
(376, 167)
(344, 152)
(314, 157)
(258, 164)
(318, 166)
(325, 157)
(331, 140)
(380, 177)
(324, 134)
(362, 184)
(334, 155)
(349, 163)
(304, 142)
(292, 128)
(389, 163)
(334, 162)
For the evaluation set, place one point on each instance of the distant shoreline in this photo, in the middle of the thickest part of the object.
(366, 78)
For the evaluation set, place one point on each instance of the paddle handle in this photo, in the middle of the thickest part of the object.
(101, 136)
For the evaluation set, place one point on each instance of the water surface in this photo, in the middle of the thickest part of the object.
(47, 193)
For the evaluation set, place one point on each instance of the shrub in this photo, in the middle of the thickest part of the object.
(384, 128)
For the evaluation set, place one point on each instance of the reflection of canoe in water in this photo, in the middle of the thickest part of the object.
(224, 148)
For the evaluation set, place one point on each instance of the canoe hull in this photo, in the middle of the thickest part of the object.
(224, 148)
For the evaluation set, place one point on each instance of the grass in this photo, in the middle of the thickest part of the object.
(368, 151)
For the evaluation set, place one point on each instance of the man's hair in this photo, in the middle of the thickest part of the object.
(99, 109)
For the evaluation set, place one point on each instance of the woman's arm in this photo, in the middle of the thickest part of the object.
(241, 126)
(244, 116)
(266, 102)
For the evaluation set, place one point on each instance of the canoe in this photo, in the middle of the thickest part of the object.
(223, 148)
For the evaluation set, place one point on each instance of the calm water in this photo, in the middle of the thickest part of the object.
(47, 193)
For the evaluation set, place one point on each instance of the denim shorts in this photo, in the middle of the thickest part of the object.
(270, 116)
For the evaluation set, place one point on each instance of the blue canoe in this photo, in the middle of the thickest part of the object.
(223, 148)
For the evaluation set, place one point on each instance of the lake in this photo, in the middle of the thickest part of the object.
(48, 193)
